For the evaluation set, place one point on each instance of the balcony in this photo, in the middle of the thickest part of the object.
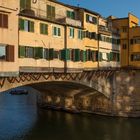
(104, 30)
(41, 14)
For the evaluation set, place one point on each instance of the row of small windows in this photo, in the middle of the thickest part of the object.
(75, 55)
(109, 40)
(135, 57)
(135, 41)
(27, 25)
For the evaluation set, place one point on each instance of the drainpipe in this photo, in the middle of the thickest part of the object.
(98, 41)
(128, 39)
(65, 46)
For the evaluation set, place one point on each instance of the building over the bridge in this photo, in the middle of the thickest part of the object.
(38, 35)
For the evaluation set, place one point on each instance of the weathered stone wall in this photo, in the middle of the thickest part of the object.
(124, 100)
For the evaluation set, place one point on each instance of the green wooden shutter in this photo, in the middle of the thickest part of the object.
(65, 54)
(108, 56)
(59, 31)
(22, 4)
(22, 52)
(21, 24)
(41, 28)
(68, 14)
(48, 11)
(83, 56)
(76, 55)
(31, 26)
(38, 52)
(51, 54)
(46, 29)
(118, 57)
(100, 56)
(72, 15)
(53, 12)
(87, 17)
(28, 4)
(111, 56)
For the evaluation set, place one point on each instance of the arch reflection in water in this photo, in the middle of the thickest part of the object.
(20, 119)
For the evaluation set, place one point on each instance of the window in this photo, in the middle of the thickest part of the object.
(3, 20)
(65, 54)
(124, 46)
(29, 52)
(26, 25)
(135, 57)
(38, 52)
(43, 29)
(135, 41)
(71, 32)
(71, 14)
(25, 4)
(75, 55)
(124, 29)
(56, 31)
(2, 52)
(114, 56)
(50, 12)
(80, 34)
(91, 19)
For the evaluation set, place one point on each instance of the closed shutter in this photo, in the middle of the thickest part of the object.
(118, 57)
(100, 56)
(87, 17)
(72, 15)
(93, 55)
(108, 56)
(83, 56)
(22, 51)
(51, 54)
(59, 32)
(10, 53)
(68, 14)
(111, 56)
(5, 21)
(31, 26)
(28, 4)
(54, 31)
(0, 20)
(48, 11)
(22, 4)
(38, 52)
(77, 55)
(65, 54)
(21, 24)
(53, 12)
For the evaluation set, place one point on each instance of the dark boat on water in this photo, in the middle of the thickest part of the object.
(18, 92)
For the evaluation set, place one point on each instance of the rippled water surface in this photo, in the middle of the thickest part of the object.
(20, 119)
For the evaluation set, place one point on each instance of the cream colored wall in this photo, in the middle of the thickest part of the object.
(9, 36)
(90, 42)
(74, 43)
(38, 40)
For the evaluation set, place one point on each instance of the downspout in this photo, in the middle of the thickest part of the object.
(98, 41)
(65, 47)
(128, 40)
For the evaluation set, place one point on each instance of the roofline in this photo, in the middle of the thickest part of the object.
(120, 18)
(76, 7)
(133, 15)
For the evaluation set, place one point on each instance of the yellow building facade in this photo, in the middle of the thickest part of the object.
(9, 38)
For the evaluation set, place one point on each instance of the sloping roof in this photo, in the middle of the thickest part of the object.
(76, 7)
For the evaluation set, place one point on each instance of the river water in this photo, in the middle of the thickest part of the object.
(20, 119)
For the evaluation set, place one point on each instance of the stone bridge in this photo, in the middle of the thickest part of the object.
(115, 92)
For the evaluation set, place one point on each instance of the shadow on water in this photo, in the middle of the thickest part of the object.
(20, 119)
